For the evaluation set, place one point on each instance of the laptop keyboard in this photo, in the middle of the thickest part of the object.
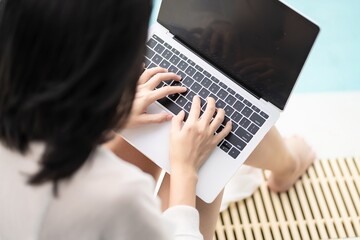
(246, 118)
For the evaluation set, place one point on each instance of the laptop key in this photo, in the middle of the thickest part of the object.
(204, 93)
(157, 59)
(253, 129)
(198, 77)
(158, 38)
(187, 81)
(187, 107)
(181, 101)
(147, 62)
(255, 109)
(173, 69)
(196, 87)
(230, 100)
(220, 129)
(149, 53)
(168, 46)
(244, 122)
(168, 82)
(181, 74)
(175, 51)
(215, 79)
(225, 146)
(152, 65)
(247, 112)
(213, 96)
(191, 62)
(236, 117)
(237, 142)
(234, 126)
(214, 88)
(243, 134)
(167, 54)
(151, 43)
(231, 91)
(247, 103)
(222, 94)
(228, 110)
(190, 71)
(234, 153)
(183, 56)
(206, 82)
(257, 119)
(264, 115)
(167, 103)
(190, 95)
(200, 69)
(175, 84)
(174, 60)
(161, 84)
(183, 65)
(220, 104)
(207, 74)
(159, 48)
(174, 96)
(164, 64)
(239, 106)
(239, 97)
(223, 85)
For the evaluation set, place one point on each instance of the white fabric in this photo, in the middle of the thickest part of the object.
(244, 183)
(106, 199)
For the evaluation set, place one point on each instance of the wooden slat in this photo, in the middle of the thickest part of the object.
(324, 204)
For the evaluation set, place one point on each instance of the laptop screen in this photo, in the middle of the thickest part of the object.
(261, 44)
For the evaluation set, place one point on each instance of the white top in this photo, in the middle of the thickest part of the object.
(107, 198)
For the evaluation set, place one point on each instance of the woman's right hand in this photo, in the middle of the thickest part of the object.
(191, 143)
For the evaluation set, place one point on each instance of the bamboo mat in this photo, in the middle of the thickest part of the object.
(323, 204)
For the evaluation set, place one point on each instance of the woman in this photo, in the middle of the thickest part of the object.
(68, 76)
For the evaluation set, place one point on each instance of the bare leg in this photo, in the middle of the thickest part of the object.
(130, 154)
(286, 159)
(209, 213)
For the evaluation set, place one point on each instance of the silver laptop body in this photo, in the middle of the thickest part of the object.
(177, 43)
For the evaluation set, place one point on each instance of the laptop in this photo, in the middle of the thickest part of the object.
(247, 54)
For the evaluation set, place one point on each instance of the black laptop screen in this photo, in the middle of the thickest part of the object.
(261, 44)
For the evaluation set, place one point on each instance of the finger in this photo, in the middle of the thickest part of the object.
(164, 91)
(177, 122)
(149, 73)
(159, 77)
(154, 118)
(210, 110)
(219, 118)
(195, 109)
(223, 133)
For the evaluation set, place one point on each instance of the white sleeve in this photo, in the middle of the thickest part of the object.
(138, 216)
(186, 222)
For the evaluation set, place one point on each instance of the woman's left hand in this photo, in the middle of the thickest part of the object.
(146, 94)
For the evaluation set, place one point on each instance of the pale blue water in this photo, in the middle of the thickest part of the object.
(334, 63)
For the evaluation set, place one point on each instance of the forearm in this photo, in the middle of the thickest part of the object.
(183, 187)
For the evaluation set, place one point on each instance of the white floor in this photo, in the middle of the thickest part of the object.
(329, 121)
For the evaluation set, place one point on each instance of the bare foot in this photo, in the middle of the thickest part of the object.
(301, 156)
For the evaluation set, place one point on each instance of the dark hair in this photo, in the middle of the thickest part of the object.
(68, 76)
